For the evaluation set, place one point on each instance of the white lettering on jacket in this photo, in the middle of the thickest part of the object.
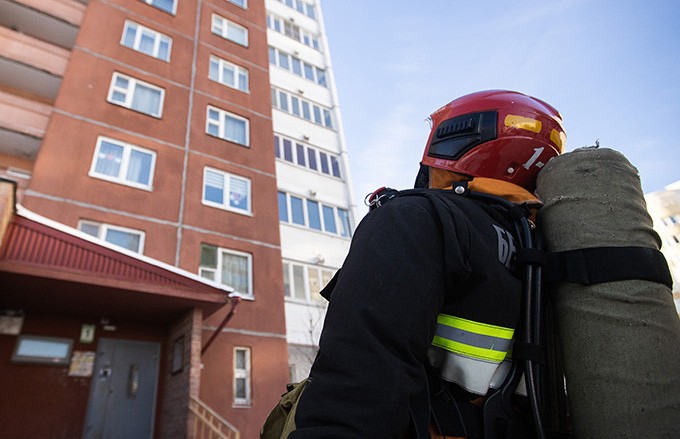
(506, 246)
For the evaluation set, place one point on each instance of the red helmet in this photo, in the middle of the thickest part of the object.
(496, 134)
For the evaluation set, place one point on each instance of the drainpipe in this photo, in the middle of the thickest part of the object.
(235, 300)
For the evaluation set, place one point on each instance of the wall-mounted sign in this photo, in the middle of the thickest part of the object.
(82, 364)
(87, 333)
(11, 325)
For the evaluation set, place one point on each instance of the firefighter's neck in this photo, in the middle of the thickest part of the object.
(441, 179)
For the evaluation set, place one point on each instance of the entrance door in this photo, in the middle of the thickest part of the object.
(123, 390)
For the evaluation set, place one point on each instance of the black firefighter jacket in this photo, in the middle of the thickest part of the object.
(423, 253)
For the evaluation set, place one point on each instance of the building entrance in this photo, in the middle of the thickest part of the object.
(123, 391)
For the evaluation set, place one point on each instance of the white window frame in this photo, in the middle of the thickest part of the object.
(129, 93)
(242, 374)
(174, 6)
(311, 297)
(136, 45)
(339, 225)
(125, 162)
(216, 273)
(226, 188)
(309, 110)
(317, 74)
(103, 228)
(295, 160)
(220, 26)
(221, 125)
(239, 73)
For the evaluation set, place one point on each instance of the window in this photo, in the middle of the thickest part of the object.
(297, 67)
(229, 30)
(42, 350)
(120, 236)
(123, 163)
(135, 94)
(285, 101)
(304, 282)
(314, 215)
(227, 267)
(242, 376)
(228, 74)
(169, 6)
(227, 126)
(241, 3)
(226, 191)
(147, 41)
(306, 156)
(302, 7)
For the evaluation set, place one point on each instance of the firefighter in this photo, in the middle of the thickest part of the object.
(428, 298)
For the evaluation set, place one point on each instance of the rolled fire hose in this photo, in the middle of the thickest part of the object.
(620, 339)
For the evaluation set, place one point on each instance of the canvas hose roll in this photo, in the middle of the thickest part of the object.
(620, 339)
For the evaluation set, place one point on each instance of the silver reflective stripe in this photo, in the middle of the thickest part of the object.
(473, 339)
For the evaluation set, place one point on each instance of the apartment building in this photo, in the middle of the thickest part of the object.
(140, 132)
(316, 211)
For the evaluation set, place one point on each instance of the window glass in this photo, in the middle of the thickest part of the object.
(335, 166)
(89, 228)
(297, 66)
(324, 162)
(327, 120)
(313, 214)
(229, 30)
(147, 99)
(241, 3)
(283, 101)
(227, 126)
(234, 272)
(286, 279)
(298, 281)
(213, 187)
(284, 60)
(287, 150)
(344, 222)
(305, 110)
(300, 149)
(277, 149)
(165, 5)
(109, 159)
(317, 115)
(123, 239)
(139, 169)
(119, 236)
(296, 105)
(311, 155)
(123, 163)
(239, 193)
(283, 207)
(297, 211)
(314, 284)
(208, 256)
(321, 77)
(309, 72)
(329, 219)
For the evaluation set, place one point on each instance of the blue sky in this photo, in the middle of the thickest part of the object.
(612, 68)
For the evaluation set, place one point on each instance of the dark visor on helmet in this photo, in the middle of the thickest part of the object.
(456, 136)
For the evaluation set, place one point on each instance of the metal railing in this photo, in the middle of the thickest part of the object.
(208, 424)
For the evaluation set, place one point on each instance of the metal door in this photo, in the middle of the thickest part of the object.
(123, 391)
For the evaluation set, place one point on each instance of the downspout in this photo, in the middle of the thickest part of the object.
(235, 300)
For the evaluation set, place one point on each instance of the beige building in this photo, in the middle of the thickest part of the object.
(664, 207)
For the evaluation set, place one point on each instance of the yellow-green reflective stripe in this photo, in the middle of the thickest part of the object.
(475, 327)
(467, 350)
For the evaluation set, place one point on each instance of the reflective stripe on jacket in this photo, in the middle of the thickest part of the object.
(469, 353)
